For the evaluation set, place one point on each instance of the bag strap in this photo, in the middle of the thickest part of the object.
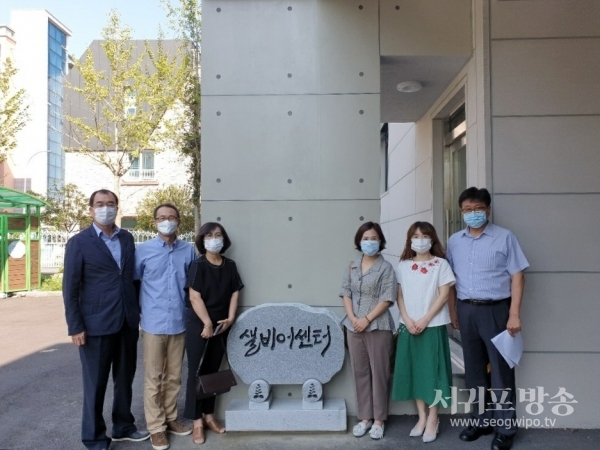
(204, 353)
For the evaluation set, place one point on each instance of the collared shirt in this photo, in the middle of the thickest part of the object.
(483, 265)
(378, 284)
(113, 243)
(163, 273)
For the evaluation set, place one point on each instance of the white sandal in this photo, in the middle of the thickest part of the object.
(361, 428)
(376, 432)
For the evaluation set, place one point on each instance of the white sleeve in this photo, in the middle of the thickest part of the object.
(399, 273)
(446, 275)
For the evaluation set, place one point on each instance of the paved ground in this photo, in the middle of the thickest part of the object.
(40, 400)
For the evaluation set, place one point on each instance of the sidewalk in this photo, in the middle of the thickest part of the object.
(40, 406)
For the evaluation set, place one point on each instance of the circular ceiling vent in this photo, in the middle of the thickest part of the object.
(409, 86)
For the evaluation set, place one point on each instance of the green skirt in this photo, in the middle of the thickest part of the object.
(422, 365)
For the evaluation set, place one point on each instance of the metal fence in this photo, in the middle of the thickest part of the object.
(54, 242)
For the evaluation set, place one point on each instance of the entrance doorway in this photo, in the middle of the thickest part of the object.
(455, 170)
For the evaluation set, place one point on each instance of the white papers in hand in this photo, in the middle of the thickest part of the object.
(511, 348)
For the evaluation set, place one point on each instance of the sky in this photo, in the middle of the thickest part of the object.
(86, 18)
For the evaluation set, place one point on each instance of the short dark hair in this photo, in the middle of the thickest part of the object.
(104, 192)
(207, 228)
(166, 205)
(366, 227)
(474, 194)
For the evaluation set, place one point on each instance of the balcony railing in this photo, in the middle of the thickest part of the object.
(141, 175)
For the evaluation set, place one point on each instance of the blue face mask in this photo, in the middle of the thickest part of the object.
(369, 248)
(475, 219)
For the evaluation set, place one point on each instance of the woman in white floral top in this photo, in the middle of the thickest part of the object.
(423, 369)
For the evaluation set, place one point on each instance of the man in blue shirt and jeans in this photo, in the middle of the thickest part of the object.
(162, 264)
(488, 263)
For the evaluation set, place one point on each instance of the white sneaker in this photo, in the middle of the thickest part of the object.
(360, 429)
(376, 432)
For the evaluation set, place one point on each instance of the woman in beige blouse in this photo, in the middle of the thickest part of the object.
(369, 289)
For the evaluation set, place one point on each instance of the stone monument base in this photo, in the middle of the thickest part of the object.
(287, 415)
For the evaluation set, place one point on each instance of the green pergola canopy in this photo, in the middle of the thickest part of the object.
(9, 198)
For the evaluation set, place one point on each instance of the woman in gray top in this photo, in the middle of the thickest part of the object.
(369, 289)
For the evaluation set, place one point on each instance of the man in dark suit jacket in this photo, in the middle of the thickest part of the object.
(103, 315)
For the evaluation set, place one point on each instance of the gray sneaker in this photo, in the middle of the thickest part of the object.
(136, 436)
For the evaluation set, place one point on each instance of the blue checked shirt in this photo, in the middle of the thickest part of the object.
(163, 274)
(483, 265)
(113, 243)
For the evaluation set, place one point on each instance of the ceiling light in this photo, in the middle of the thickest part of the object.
(409, 86)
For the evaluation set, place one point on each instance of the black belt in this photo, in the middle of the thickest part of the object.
(483, 302)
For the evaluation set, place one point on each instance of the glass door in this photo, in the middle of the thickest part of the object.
(455, 181)
(455, 171)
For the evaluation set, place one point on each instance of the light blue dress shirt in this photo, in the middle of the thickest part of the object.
(484, 265)
(113, 243)
(163, 271)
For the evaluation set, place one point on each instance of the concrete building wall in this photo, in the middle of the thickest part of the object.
(545, 97)
(291, 146)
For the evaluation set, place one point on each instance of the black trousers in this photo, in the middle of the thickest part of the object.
(478, 325)
(99, 354)
(194, 346)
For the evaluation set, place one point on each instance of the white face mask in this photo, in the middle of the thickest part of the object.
(213, 245)
(105, 215)
(167, 227)
(420, 245)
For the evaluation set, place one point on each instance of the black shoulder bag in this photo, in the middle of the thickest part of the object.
(213, 384)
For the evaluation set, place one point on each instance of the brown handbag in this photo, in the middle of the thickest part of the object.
(213, 384)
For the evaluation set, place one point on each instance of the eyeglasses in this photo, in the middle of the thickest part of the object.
(476, 209)
(170, 218)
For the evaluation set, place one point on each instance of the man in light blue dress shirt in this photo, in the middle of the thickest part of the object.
(488, 263)
(161, 265)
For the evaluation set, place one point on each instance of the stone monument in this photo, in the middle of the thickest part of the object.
(286, 343)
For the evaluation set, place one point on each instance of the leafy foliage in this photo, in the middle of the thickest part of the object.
(186, 20)
(180, 196)
(14, 112)
(125, 107)
(67, 210)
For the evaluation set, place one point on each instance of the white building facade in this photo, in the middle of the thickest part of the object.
(39, 48)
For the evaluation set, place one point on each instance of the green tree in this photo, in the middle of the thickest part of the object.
(180, 196)
(186, 20)
(125, 107)
(67, 210)
(14, 112)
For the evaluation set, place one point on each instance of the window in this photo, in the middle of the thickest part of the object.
(142, 167)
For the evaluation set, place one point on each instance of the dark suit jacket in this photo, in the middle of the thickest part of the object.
(98, 295)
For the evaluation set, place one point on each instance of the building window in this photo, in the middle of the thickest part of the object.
(57, 59)
(22, 184)
(142, 167)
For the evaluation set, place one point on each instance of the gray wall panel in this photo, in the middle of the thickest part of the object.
(560, 312)
(309, 252)
(313, 41)
(545, 77)
(556, 232)
(574, 372)
(547, 18)
(254, 147)
(546, 154)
